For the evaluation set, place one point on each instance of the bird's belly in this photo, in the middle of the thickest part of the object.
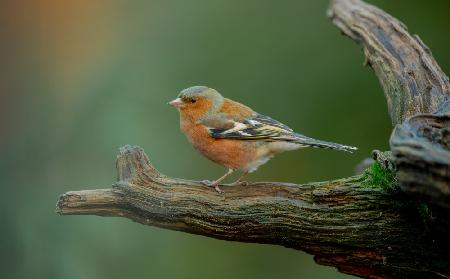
(233, 154)
(266, 151)
(256, 163)
(245, 155)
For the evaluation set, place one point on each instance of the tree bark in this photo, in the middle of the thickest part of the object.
(344, 223)
(421, 149)
(417, 93)
(412, 81)
(352, 224)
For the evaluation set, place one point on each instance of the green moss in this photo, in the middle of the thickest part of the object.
(424, 211)
(378, 177)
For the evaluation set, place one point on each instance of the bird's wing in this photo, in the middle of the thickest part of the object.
(261, 127)
(258, 127)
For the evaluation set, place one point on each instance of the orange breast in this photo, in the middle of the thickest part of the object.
(233, 154)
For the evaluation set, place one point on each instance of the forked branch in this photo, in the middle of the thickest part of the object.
(417, 93)
(352, 223)
(345, 223)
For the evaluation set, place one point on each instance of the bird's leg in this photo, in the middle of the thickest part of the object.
(241, 180)
(215, 184)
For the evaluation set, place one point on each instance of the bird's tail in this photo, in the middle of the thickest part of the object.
(303, 140)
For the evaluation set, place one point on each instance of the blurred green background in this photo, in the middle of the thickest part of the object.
(79, 79)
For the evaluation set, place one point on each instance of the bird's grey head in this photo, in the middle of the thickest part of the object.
(198, 97)
(199, 91)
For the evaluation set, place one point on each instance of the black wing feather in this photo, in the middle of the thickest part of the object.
(255, 128)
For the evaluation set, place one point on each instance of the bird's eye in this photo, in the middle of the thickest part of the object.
(193, 100)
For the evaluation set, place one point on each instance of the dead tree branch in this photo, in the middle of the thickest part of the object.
(417, 93)
(360, 228)
(412, 81)
(344, 223)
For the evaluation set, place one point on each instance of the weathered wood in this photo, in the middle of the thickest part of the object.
(349, 223)
(361, 230)
(411, 79)
(417, 93)
(421, 147)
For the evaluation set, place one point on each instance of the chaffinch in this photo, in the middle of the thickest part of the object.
(233, 135)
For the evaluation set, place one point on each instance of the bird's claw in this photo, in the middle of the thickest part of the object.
(243, 183)
(207, 183)
(240, 183)
(218, 189)
(212, 184)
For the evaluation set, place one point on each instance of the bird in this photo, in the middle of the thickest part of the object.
(233, 135)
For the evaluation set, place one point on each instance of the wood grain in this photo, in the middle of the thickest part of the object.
(359, 229)
(417, 93)
(348, 223)
(412, 81)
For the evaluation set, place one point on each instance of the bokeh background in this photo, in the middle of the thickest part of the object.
(79, 79)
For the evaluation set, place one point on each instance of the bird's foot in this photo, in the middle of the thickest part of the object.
(218, 189)
(239, 183)
(212, 184)
(208, 183)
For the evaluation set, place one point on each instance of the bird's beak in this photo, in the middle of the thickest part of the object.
(177, 103)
